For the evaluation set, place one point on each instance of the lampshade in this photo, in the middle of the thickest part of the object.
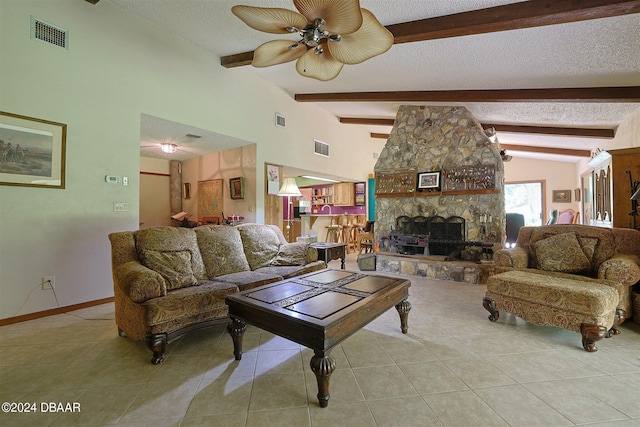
(289, 188)
(636, 195)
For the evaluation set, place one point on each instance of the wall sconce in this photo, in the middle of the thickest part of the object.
(186, 190)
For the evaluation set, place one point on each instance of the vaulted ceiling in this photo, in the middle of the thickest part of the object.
(554, 78)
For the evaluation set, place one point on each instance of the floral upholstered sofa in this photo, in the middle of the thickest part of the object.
(171, 280)
(573, 276)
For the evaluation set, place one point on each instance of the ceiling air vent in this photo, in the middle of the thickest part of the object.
(49, 34)
(280, 120)
(321, 148)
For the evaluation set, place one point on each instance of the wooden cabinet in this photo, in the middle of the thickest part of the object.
(611, 181)
(622, 161)
(343, 194)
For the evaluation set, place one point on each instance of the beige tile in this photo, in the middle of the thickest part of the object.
(478, 373)
(575, 404)
(363, 354)
(402, 351)
(298, 417)
(225, 395)
(158, 401)
(432, 377)
(405, 412)
(343, 387)
(278, 392)
(521, 368)
(229, 420)
(342, 415)
(101, 405)
(279, 362)
(519, 407)
(383, 382)
(606, 389)
(453, 368)
(471, 410)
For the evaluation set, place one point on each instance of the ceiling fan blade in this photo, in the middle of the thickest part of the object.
(269, 20)
(341, 16)
(321, 67)
(276, 52)
(370, 40)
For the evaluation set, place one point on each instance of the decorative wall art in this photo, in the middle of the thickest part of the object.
(236, 188)
(32, 151)
(561, 196)
(210, 201)
(428, 180)
(273, 180)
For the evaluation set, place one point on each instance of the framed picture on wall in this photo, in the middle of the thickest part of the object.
(236, 188)
(561, 196)
(32, 151)
(428, 180)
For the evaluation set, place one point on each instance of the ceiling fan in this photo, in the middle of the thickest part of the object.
(332, 33)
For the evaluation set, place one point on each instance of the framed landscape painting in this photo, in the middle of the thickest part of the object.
(32, 151)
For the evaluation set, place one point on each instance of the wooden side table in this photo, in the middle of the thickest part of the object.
(329, 251)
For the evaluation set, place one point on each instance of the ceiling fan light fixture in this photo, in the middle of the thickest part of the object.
(361, 34)
(168, 148)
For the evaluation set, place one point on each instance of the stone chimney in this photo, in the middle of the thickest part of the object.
(470, 172)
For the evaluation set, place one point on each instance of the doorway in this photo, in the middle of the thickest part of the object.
(526, 198)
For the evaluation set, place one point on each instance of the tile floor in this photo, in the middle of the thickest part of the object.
(453, 368)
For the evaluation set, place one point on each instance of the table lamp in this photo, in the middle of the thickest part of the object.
(289, 189)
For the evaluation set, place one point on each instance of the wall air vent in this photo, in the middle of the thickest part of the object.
(321, 148)
(280, 121)
(49, 34)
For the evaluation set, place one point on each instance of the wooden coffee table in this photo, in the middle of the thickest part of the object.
(318, 310)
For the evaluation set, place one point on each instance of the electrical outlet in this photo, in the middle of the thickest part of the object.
(48, 282)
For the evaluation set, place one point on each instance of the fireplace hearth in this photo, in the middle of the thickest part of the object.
(461, 205)
(435, 235)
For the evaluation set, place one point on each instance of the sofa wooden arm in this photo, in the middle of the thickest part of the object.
(622, 268)
(517, 257)
(139, 282)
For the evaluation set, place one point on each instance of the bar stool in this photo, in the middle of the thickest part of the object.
(348, 229)
(333, 231)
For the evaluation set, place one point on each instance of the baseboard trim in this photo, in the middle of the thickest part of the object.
(53, 311)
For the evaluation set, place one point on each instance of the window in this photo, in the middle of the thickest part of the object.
(525, 198)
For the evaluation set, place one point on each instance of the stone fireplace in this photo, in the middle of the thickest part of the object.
(439, 164)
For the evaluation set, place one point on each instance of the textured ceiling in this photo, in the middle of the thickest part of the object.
(595, 53)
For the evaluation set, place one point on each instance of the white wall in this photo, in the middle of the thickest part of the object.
(117, 68)
(558, 176)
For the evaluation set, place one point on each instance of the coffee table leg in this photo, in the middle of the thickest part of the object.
(323, 366)
(236, 329)
(403, 309)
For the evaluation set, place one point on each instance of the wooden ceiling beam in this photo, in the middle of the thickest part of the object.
(526, 148)
(549, 130)
(544, 130)
(585, 94)
(547, 150)
(532, 13)
(528, 14)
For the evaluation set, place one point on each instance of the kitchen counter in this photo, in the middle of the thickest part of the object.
(316, 222)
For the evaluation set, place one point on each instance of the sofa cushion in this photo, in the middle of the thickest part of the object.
(174, 266)
(561, 252)
(188, 302)
(289, 271)
(170, 239)
(250, 279)
(260, 244)
(291, 254)
(221, 249)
